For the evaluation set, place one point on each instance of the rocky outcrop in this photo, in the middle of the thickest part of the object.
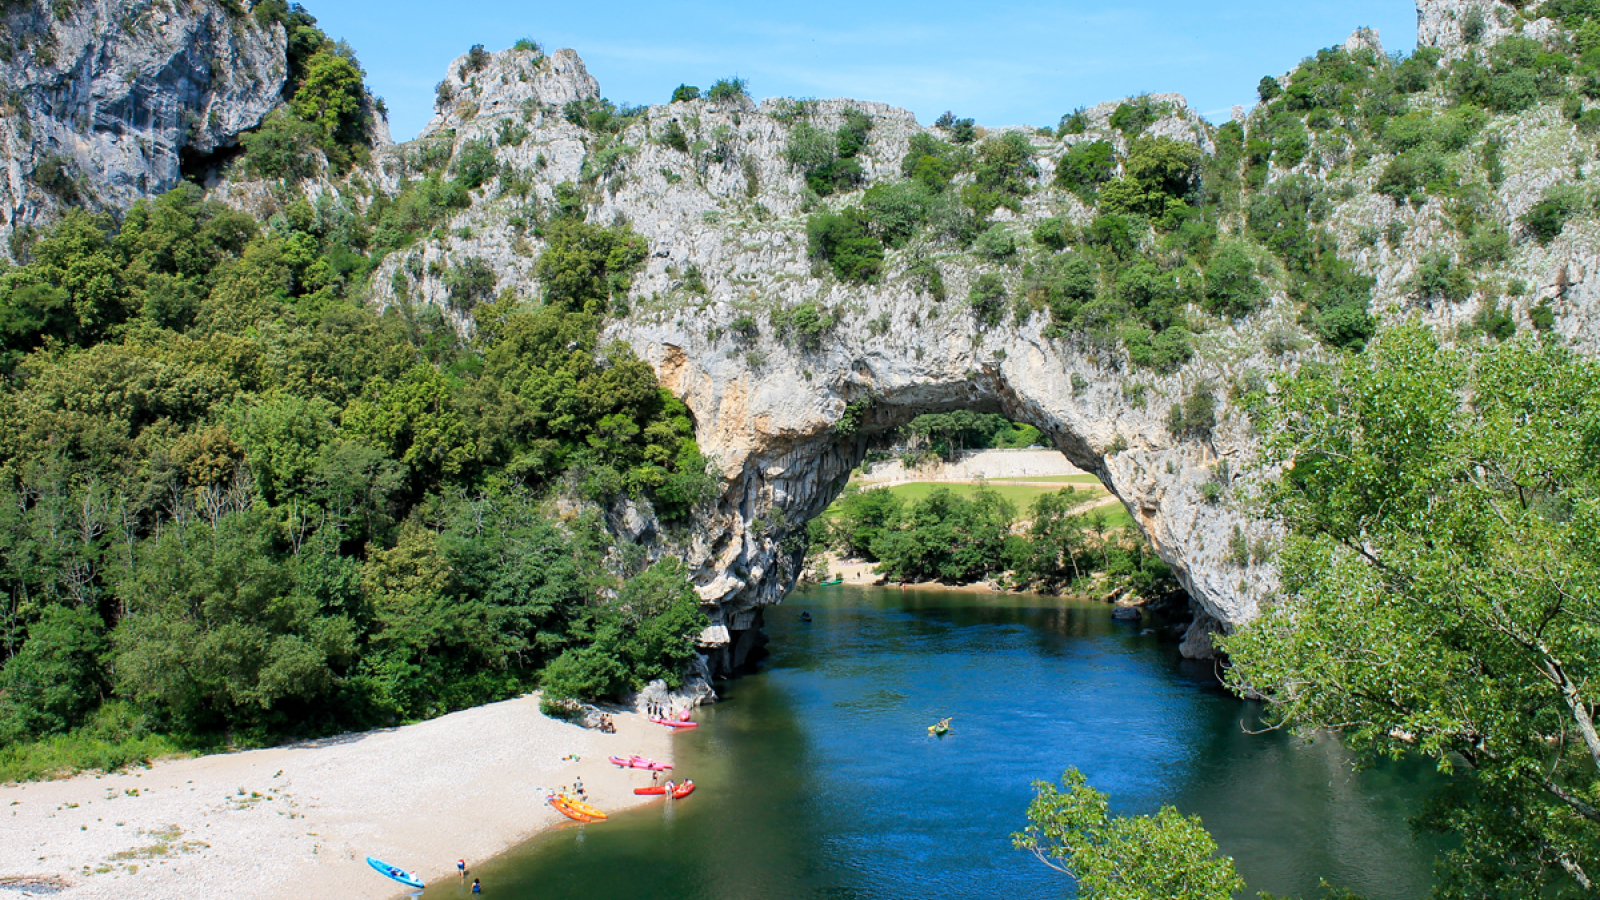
(768, 409)
(109, 100)
(786, 419)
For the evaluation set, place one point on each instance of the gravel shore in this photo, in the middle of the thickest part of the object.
(300, 820)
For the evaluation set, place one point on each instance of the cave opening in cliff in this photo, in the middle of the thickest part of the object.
(205, 168)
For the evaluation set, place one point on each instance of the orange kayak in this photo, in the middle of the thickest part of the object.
(683, 790)
(561, 804)
(585, 808)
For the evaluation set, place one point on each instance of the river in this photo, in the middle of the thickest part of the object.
(817, 778)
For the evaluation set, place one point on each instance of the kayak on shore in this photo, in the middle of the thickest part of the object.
(678, 791)
(639, 762)
(672, 724)
(395, 872)
(564, 806)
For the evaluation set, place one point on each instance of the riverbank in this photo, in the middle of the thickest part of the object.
(300, 820)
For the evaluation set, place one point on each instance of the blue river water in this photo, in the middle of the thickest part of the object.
(817, 779)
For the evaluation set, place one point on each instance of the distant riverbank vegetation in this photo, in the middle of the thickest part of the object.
(237, 504)
(960, 534)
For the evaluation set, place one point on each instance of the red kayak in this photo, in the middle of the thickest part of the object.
(671, 724)
(652, 789)
(683, 790)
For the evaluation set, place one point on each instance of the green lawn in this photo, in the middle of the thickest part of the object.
(1020, 495)
(1054, 479)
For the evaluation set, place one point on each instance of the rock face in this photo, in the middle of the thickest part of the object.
(767, 405)
(110, 99)
(787, 416)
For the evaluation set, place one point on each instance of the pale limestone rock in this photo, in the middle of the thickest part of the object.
(121, 92)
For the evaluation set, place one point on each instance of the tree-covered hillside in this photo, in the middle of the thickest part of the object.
(239, 502)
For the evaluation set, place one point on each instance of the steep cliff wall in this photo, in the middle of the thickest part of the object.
(726, 204)
(107, 99)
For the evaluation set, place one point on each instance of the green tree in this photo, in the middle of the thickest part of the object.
(1165, 856)
(1440, 576)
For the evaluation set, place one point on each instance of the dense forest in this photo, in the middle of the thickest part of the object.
(238, 504)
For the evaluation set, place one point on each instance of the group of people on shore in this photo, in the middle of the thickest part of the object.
(657, 711)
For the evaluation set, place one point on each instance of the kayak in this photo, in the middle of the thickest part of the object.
(639, 762)
(560, 803)
(839, 580)
(395, 872)
(585, 809)
(652, 789)
(671, 724)
(683, 790)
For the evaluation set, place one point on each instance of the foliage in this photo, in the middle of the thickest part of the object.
(844, 241)
(647, 632)
(728, 90)
(293, 514)
(1545, 219)
(805, 323)
(987, 298)
(946, 538)
(828, 161)
(1165, 856)
(685, 92)
(1441, 561)
(1085, 166)
(933, 162)
(1002, 170)
(327, 107)
(1133, 116)
(1196, 416)
(860, 516)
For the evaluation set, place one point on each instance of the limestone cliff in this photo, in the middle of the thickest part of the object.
(728, 206)
(108, 99)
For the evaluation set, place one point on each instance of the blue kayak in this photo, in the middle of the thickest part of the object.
(395, 872)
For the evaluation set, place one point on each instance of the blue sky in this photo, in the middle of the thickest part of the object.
(1002, 63)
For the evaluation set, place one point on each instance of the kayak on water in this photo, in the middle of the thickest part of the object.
(683, 790)
(680, 724)
(395, 872)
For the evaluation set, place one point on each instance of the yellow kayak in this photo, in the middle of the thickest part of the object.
(585, 808)
(562, 805)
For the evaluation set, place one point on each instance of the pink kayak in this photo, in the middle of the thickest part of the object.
(639, 762)
(671, 724)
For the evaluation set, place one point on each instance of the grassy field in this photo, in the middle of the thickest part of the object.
(1020, 495)
(1053, 479)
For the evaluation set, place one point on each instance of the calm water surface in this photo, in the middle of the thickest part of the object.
(817, 778)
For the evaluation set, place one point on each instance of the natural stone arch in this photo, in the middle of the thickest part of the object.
(769, 414)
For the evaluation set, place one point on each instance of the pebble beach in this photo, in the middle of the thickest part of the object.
(300, 820)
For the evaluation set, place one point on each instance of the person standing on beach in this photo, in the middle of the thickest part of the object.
(461, 866)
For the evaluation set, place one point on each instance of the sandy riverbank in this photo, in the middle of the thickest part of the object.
(300, 820)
